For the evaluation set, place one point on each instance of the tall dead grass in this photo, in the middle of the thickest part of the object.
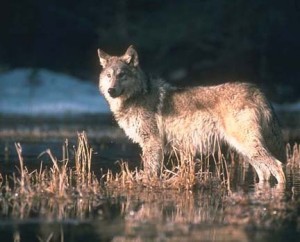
(59, 180)
(293, 155)
(67, 177)
(70, 189)
(177, 173)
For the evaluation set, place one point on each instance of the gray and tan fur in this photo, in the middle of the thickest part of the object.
(158, 116)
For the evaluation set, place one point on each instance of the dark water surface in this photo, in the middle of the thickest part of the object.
(248, 212)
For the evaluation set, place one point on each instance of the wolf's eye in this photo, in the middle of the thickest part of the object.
(121, 75)
(108, 75)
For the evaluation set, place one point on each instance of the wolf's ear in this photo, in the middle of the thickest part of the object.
(131, 56)
(103, 58)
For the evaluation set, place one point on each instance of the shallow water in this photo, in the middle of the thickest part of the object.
(247, 212)
(259, 215)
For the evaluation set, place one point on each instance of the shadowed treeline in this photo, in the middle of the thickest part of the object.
(203, 41)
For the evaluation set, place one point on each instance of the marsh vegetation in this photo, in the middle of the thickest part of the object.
(214, 198)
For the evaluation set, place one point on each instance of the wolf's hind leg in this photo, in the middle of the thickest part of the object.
(264, 163)
(260, 158)
(243, 132)
(264, 159)
(262, 171)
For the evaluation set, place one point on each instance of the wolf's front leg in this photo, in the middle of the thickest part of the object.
(152, 158)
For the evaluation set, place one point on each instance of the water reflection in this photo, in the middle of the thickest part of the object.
(201, 215)
(249, 211)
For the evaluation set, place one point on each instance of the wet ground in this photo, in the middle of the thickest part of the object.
(247, 212)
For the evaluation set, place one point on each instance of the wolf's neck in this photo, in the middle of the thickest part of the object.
(120, 106)
(115, 105)
(152, 95)
(145, 83)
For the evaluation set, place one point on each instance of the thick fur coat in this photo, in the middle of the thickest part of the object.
(161, 118)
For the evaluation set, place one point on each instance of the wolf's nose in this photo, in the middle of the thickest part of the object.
(112, 91)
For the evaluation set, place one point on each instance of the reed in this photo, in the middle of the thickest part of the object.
(62, 179)
(293, 155)
(70, 189)
(68, 177)
(178, 173)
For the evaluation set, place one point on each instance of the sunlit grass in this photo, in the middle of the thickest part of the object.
(191, 191)
(59, 180)
(177, 173)
(67, 177)
(180, 175)
(293, 155)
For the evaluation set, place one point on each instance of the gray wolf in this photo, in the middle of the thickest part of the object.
(159, 117)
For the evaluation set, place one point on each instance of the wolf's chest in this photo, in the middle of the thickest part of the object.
(131, 126)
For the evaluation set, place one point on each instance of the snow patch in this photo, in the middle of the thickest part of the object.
(44, 92)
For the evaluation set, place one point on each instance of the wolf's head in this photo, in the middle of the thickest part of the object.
(121, 76)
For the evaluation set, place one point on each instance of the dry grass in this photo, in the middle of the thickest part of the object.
(69, 189)
(67, 178)
(176, 174)
(293, 155)
(60, 180)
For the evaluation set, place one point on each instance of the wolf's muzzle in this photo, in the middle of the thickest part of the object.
(112, 92)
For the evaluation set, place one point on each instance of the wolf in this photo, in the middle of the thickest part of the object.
(161, 117)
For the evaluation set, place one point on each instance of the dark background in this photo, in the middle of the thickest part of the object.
(187, 42)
